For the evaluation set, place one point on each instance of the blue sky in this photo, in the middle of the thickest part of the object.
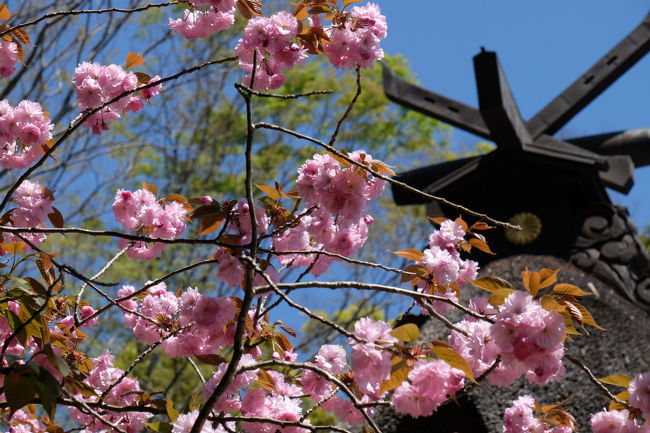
(543, 47)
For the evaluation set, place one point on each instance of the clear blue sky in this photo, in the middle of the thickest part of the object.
(543, 47)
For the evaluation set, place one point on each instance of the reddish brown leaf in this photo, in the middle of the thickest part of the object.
(269, 190)
(547, 277)
(410, 253)
(265, 380)
(212, 359)
(480, 225)
(142, 78)
(56, 218)
(491, 283)
(300, 12)
(481, 245)
(150, 187)
(4, 12)
(210, 224)
(531, 281)
(570, 289)
(22, 35)
(133, 59)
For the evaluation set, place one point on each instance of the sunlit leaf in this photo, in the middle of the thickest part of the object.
(408, 332)
(491, 283)
(587, 318)
(300, 12)
(150, 187)
(5, 14)
(531, 281)
(570, 289)
(617, 379)
(547, 277)
(623, 396)
(410, 253)
(445, 352)
(270, 191)
(438, 220)
(396, 378)
(210, 224)
(133, 59)
(480, 225)
(481, 245)
(549, 303)
(265, 380)
(347, 3)
(22, 36)
(498, 297)
(169, 407)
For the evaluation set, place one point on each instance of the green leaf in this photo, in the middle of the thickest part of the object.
(19, 389)
(408, 332)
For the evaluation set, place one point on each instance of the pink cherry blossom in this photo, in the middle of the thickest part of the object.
(8, 57)
(24, 130)
(639, 389)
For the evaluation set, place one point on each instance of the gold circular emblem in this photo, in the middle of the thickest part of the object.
(531, 225)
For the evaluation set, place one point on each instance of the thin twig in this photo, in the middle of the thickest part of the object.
(388, 179)
(88, 11)
(282, 96)
(595, 381)
(349, 109)
(93, 278)
(78, 121)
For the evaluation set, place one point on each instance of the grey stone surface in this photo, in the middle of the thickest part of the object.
(623, 348)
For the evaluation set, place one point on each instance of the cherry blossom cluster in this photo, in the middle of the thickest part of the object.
(8, 57)
(477, 347)
(519, 418)
(97, 84)
(185, 422)
(639, 390)
(444, 265)
(124, 392)
(207, 321)
(273, 40)
(371, 364)
(617, 421)
(338, 224)
(24, 130)
(201, 24)
(530, 339)
(33, 205)
(431, 382)
(357, 41)
(141, 212)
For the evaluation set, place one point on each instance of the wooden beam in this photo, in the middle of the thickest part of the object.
(633, 142)
(497, 105)
(432, 104)
(593, 82)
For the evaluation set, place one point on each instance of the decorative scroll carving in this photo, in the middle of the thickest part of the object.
(607, 247)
